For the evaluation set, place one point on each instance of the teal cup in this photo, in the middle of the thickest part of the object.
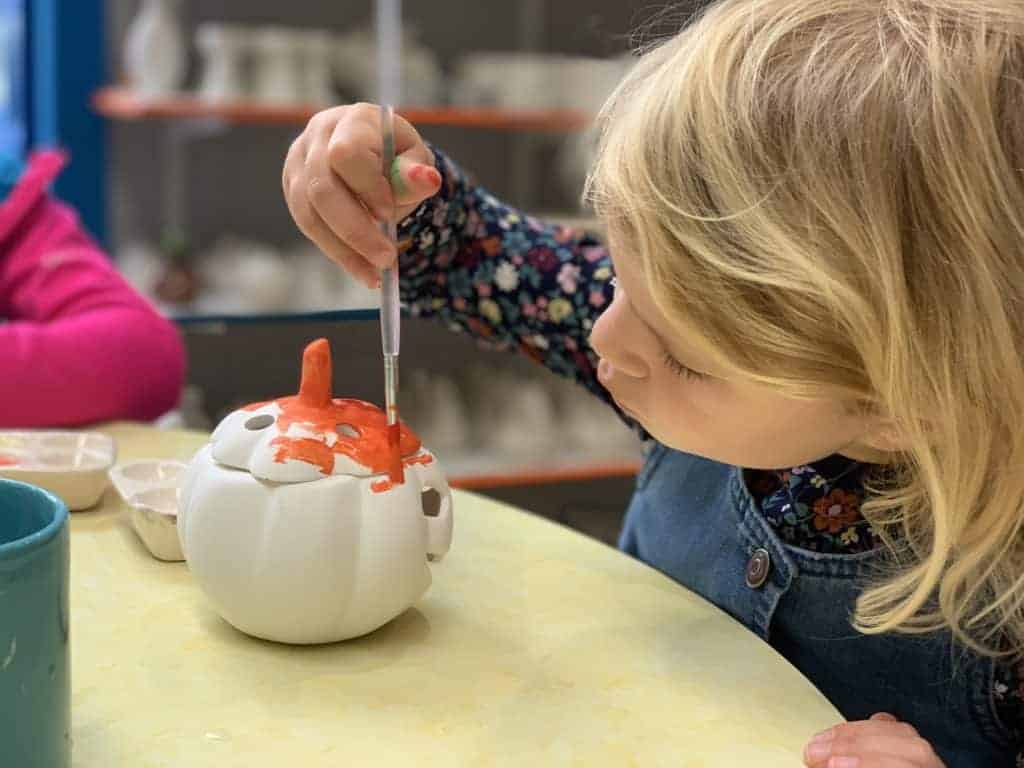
(35, 684)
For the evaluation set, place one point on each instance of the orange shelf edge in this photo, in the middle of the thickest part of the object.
(119, 103)
(542, 477)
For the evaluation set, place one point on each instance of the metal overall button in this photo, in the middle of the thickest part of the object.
(758, 566)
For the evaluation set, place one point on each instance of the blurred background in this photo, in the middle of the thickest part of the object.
(178, 115)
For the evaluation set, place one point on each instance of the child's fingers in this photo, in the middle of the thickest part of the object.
(320, 234)
(413, 181)
(356, 160)
(353, 153)
(408, 142)
(877, 743)
(346, 216)
(872, 761)
(870, 727)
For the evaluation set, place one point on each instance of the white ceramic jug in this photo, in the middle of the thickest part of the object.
(291, 526)
(155, 55)
(222, 47)
(278, 71)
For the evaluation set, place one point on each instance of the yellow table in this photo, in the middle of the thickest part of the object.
(535, 647)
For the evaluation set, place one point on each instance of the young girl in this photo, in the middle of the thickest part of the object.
(78, 345)
(815, 212)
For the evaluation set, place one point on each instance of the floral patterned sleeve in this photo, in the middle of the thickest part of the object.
(508, 279)
(1008, 696)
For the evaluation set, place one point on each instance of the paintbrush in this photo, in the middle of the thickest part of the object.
(390, 310)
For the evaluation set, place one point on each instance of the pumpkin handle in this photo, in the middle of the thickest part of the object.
(315, 386)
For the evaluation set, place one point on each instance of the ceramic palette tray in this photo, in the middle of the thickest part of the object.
(72, 465)
(151, 489)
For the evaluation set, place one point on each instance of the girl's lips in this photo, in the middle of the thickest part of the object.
(627, 411)
(622, 407)
(605, 372)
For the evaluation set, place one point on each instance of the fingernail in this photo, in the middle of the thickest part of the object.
(818, 750)
(844, 762)
(425, 174)
(826, 735)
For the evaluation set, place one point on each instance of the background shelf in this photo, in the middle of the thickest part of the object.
(180, 168)
(119, 103)
(478, 479)
(334, 316)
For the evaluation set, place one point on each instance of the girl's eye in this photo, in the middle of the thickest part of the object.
(679, 369)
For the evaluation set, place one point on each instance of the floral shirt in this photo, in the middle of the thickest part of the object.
(517, 283)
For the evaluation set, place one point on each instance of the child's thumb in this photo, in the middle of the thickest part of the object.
(413, 181)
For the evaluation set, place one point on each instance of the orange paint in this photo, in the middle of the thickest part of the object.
(7, 461)
(317, 413)
(395, 472)
(386, 485)
(304, 449)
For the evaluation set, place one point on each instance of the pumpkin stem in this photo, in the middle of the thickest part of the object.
(315, 387)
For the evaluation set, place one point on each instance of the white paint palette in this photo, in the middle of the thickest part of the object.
(72, 465)
(151, 488)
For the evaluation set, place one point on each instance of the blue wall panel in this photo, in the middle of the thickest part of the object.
(65, 67)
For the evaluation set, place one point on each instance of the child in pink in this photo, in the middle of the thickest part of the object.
(79, 345)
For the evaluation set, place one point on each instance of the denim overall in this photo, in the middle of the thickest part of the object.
(694, 520)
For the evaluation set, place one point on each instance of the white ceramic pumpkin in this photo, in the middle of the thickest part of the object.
(291, 526)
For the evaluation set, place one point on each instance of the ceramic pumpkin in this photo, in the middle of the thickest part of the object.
(290, 525)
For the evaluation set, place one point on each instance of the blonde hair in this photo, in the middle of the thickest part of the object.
(828, 195)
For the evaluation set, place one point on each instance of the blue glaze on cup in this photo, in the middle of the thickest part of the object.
(35, 685)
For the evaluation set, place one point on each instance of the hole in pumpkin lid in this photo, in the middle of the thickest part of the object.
(257, 423)
(431, 502)
(348, 430)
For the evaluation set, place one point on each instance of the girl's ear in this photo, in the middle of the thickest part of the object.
(880, 443)
(884, 436)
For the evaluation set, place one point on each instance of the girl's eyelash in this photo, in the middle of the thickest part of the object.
(679, 369)
(670, 362)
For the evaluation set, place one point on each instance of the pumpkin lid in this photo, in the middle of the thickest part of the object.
(310, 435)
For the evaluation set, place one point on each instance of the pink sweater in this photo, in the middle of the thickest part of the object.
(80, 345)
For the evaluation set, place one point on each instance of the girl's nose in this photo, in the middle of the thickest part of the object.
(618, 345)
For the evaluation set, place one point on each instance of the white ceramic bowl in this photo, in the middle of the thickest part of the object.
(151, 488)
(155, 519)
(72, 465)
(133, 477)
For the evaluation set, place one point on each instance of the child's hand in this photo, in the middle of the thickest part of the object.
(881, 742)
(336, 190)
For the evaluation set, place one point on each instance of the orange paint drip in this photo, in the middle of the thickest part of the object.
(382, 486)
(395, 471)
(316, 413)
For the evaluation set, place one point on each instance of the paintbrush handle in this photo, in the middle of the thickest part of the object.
(390, 308)
(390, 312)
